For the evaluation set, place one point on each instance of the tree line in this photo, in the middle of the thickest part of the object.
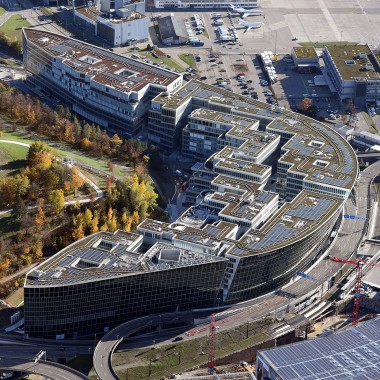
(62, 125)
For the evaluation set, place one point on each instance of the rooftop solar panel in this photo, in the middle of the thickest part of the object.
(337, 356)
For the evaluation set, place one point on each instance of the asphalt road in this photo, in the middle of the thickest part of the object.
(48, 369)
(106, 346)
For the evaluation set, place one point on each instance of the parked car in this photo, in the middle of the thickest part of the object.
(203, 78)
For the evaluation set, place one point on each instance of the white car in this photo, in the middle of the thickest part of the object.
(332, 116)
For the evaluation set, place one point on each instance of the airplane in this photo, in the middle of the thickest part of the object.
(246, 12)
(250, 25)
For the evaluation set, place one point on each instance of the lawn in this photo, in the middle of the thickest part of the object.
(12, 28)
(322, 44)
(175, 358)
(12, 158)
(168, 62)
(2, 11)
(188, 59)
(60, 148)
(8, 226)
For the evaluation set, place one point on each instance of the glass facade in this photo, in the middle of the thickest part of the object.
(86, 308)
(264, 272)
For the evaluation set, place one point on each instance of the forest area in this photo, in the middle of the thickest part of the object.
(38, 192)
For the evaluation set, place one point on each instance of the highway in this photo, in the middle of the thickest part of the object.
(345, 244)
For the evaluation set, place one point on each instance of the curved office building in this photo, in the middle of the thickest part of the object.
(262, 206)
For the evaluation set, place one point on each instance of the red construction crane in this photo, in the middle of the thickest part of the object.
(359, 263)
(211, 345)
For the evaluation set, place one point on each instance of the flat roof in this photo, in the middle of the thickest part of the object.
(350, 65)
(112, 70)
(224, 118)
(292, 222)
(317, 151)
(92, 13)
(342, 169)
(305, 52)
(352, 354)
(106, 255)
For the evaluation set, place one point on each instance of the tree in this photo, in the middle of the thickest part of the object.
(87, 217)
(19, 210)
(76, 180)
(37, 249)
(57, 201)
(94, 225)
(116, 141)
(78, 232)
(37, 147)
(39, 218)
(304, 105)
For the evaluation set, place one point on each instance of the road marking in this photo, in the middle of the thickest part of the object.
(330, 20)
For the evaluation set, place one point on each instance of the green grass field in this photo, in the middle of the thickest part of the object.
(175, 358)
(168, 62)
(60, 148)
(8, 226)
(12, 27)
(12, 158)
(328, 43)
(2, 11)
(188, 59)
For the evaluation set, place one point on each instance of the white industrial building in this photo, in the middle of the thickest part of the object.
(122, 26)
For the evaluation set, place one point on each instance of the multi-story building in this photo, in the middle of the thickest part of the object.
(354, 71)
(121, 27)
(107, 278)
(204, 4)
(305, 58)
(106, 88)
(206, 130)
(237, 216)
(111, 5)
(316, 170)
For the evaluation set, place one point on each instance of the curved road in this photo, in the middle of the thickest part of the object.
(348, 239)
(106, 346)
(49, 369)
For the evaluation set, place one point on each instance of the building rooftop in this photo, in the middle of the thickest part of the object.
(355, 62)
(108, 255)
(171, 26)
(115, 17)
(100, 65)
(316, 152)
(292, 222)
(305, 52)
(221, 117)
(352, 354)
